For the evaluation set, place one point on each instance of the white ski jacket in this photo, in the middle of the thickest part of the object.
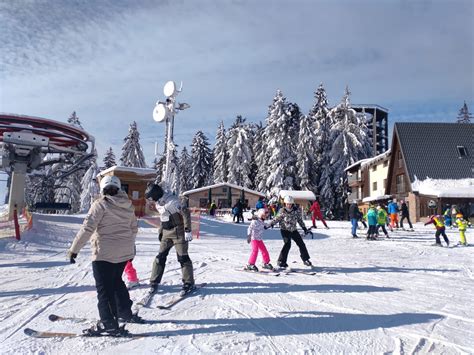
(111, 226)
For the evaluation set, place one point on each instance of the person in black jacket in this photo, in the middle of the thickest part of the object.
(405, 214)
(354, 215)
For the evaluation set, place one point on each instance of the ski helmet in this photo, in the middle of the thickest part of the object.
(289, 199)
(154, 191)
(109, 181)
(261, 212)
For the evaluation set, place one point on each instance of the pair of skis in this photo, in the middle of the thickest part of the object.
(144, 302)
(287, 271)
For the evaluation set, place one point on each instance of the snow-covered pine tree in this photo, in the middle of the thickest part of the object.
(464, 115)
(201, 156)
(132, 152)
(351, 143)
(220, 155)
(185, 169)
(74, 120)
(305, 156)
(257, 149)
(239, 146)
(89, 185)
(109, 159)
(68, 188)
(278, 144)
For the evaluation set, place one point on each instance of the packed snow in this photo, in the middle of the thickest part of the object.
(400, 296)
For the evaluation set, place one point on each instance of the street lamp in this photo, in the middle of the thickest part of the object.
(165, 111)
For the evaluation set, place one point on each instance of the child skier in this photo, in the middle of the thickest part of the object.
(372, 221)
(381, 220)
(254, 237)
(440, 229)
(462, 225)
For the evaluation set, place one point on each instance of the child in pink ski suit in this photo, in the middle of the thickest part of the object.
(254, 237)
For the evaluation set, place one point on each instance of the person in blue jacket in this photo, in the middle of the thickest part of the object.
(372, 221)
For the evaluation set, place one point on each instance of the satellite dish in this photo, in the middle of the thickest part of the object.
(169, 89)
(160, 112)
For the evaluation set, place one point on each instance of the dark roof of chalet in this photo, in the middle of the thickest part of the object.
(430, 149)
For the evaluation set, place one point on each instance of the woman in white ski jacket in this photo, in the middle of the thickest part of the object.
(111, 226)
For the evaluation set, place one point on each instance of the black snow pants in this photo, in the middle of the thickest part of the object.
(112, 294)
(287, 237)
(443, 233)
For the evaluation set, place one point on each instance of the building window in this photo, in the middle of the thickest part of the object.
(400, 183)
(374, 186)
(203, 203)
(462, 151)
(124, 187)
(374, 168)
(400, 159)
(224, 189)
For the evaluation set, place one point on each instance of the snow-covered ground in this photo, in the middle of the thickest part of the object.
(399, 296)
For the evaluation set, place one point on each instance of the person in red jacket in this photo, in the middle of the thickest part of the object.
(440, 229)
(316, 209)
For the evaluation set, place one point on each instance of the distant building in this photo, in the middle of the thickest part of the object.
(378, 126)
(134, 182)
(432, 161)
(225, 195)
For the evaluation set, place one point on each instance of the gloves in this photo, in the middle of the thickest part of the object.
(160, 236)
(188, 236)
(248, 239)
(72, 257)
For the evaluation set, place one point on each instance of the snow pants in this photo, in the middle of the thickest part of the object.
(256, 246)
(112, 294)
(383, 229)
(408, 219)
(159, 263)
(462, 236)
(442, 232)
(393, 220)
(354, 226)
(130, 272)
(320, 217)
(287, 237)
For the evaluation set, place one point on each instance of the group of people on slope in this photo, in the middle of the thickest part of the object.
(288, 217)
(111, 226)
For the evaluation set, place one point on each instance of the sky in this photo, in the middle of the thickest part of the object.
(108, 60)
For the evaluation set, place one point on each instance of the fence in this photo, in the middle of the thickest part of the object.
(14, 227)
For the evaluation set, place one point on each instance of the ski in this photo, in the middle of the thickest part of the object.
(145, 300)
(178, 298)
(47, 334)
(261, 272)
(57, 318)
(298, 271)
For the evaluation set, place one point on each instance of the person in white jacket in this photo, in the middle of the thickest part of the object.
(254, 238)
(111, 227)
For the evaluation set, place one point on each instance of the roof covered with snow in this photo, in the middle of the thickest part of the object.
(233, 186)
(378, 158)
(138, 171)
(298, 195)
(431, 149)
(463, 188)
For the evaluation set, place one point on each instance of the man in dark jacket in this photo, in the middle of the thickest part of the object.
(405, 214)
(354, 214)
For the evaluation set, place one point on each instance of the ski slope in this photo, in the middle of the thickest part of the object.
(398, 296)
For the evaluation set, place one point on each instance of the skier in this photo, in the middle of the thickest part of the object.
(174, 230)
(212, 208)
(440, 229)
(462, 226)
(393, 211)
(131, 275)
(316, 209)
(254, 237)
(371, 217)
(447, 217)
(288, 216)
(381, 220)
(354, 214)
(112, 227)
(260, 204)
(405, 214)
(454, 212)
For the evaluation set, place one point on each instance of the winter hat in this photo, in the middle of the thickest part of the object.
(109, 181)
(261, 213)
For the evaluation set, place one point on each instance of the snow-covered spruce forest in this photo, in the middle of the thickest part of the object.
(291, 150)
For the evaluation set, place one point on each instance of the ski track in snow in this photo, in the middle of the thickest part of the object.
(395, 296)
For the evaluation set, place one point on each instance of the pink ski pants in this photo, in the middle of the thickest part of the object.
(256, 246)
(130, 272)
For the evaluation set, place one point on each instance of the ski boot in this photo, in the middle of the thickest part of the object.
(307, 263)
(108, 328)
(132, 284)
(135, 318)
(268, 266)
(187, 288)
(251, 267)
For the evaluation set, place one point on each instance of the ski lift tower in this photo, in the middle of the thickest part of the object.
(24, 142)
(165, 111)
